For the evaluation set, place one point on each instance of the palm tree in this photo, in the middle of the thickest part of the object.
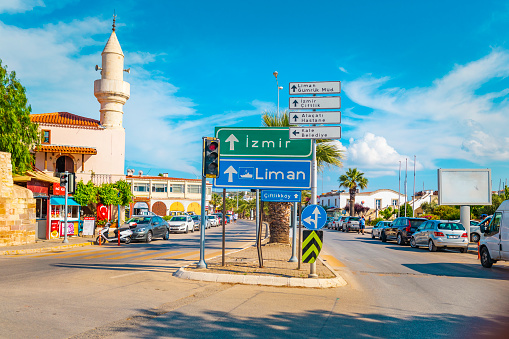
(327, 154)
(216, 200)
(351, 180)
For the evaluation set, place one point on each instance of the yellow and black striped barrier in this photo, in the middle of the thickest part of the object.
(311, 245)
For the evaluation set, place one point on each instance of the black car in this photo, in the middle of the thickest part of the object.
(147, 227)
(401, 229)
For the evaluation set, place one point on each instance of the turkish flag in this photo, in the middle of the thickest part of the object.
(102, 212)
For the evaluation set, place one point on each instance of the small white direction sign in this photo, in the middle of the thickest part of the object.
(307, 118)
(315, 102)
(315, 87)
(315, 132)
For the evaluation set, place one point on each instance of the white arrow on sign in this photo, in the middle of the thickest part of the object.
(296, 196)
(232, 140)
(310, 220)
(230, 171)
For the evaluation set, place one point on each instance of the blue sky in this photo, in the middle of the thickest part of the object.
(428, 79)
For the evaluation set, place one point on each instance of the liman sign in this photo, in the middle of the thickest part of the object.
(315, 87)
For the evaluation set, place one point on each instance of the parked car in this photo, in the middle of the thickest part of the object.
(436, 234)
(494, 245)
(181, 223)
(329, 222)
(401, 229)
(213, 220)
(148, 227)
(339, 223)
(197, 222)
(351, 224)
(377, 229)
(475, 230)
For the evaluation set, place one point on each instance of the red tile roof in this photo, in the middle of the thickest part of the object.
(67, 149)
(64, 118)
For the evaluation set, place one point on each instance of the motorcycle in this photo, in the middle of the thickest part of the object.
(125, 235)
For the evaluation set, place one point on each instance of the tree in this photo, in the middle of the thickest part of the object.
(89, 195)
(327, 154)
(18, 135)
(408, 210)
(387, 213)
(215, 200)
(351, 180)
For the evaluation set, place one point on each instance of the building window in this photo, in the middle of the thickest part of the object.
(141, 187)
(394, 202)
(209, 190)
(193, 188)
(46, 136)
(41, 208)
(378, 203)
(177, 188)
(160, 188)
(335, 202)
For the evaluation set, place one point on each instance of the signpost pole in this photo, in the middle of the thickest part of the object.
(300, 236)
(294, 232)
(312, 266)
(224, 228)
(65, 207)
(202, 263)
(257, 214)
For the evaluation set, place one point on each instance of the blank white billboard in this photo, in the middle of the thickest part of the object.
(464, 187)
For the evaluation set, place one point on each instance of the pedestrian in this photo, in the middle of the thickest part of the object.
(362, 224)
(235, 215)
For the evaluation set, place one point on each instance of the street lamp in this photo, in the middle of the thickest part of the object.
(278, 89)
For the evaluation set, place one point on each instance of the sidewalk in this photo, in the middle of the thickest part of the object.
(46, 246)
(243, 267)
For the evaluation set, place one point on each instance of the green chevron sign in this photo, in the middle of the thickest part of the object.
(311, 246)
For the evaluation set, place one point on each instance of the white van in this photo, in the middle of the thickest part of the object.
(494, 245)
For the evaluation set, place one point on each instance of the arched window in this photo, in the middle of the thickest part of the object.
(65, 163)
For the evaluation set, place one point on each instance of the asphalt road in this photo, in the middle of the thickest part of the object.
(392, 292)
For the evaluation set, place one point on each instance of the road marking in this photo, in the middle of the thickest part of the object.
(127, 274)
(130, 255)
(110, 252)
(183, 255)
(158, 255)
(80, 254)
(332, 261)
(55, 253)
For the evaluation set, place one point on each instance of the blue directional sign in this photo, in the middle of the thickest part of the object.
(314, 217)
(281, 196)
(259, 174)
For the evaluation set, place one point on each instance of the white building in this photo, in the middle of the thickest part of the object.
(165, 195)
(376, 200)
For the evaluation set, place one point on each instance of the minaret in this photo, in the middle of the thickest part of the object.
(111, 90)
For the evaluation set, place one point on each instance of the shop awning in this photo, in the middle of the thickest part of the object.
(29, 175)
(66, 149)
(61, 201)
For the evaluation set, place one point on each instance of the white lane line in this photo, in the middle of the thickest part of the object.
(127, 274)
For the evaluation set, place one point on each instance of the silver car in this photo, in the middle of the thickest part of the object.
(436, 234)
(351, 224)
(377, 229)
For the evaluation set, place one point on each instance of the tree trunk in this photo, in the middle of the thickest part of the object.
(352, 201)
(279, 222)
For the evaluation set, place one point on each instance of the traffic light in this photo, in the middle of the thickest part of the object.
(63, 179)
(210, 157)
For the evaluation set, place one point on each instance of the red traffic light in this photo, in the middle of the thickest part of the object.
(213, 146)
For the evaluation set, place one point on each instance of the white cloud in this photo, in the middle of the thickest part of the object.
(372, 152)
(431, 121)
(19, 6)
(342, 69)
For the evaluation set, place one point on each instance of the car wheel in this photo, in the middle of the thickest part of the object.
(187, 230)
(166, 235)
(463, 250)
(383, 237)
(431, 246)
(149, 236)
(400, 240)
(474, 237)
(486, 258)
(412, 242)
(372, 236)
(192, 229)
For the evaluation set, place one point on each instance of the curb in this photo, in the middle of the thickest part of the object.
(44, 249)
(263, 280)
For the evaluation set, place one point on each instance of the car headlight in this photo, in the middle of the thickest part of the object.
(141, 229)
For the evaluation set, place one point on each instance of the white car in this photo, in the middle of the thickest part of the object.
(181, 224)
(213, 220)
